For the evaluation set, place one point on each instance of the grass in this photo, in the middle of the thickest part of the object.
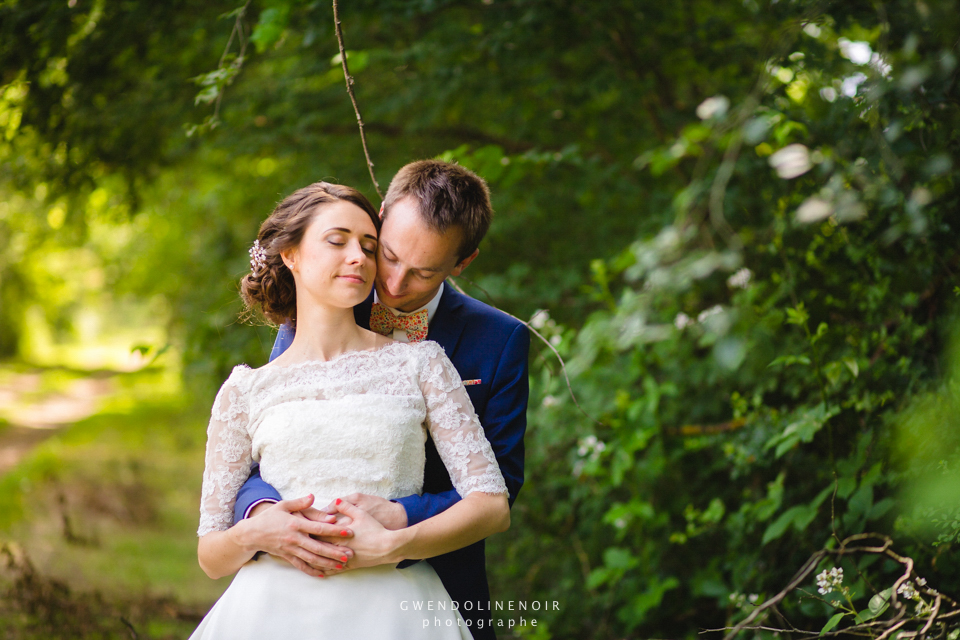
(100, 519)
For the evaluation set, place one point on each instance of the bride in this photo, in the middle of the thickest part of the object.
(343, 410)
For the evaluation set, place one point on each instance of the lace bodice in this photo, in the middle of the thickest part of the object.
(356, 423)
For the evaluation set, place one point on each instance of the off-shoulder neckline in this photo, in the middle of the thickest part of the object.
(342, 356)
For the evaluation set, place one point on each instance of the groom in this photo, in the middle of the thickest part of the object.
(434, 216)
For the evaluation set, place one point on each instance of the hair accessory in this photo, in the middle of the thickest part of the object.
(258, 257)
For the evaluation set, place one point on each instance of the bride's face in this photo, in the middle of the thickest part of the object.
(335, 263)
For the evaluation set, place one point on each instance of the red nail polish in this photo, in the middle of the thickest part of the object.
(338, 501)
(339, 566)
(344, 533)
(344, 558)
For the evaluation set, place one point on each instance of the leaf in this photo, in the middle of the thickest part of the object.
(597, 578)
(799, 516)
(832, 622)
(821, 331)
(879, 602)
(802, 428)
(853, 366)
(779, 526)
(270, 27)
(618, 558)
(789, 360)
(797, 315)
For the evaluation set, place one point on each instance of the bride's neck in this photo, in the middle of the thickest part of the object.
(323, 333)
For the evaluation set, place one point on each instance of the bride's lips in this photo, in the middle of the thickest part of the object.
(353, 278)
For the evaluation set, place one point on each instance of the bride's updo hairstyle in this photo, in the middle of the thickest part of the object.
(269, 288)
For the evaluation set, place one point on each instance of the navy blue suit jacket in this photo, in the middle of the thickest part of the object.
(487, 345)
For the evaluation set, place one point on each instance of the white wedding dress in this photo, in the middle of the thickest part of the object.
(357, 423)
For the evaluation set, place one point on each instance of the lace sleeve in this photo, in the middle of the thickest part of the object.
(228, 458)
(454, 427)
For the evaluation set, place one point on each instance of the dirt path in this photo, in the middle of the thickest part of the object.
(35, 416)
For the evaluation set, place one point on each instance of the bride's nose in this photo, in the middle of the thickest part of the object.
(356, 254)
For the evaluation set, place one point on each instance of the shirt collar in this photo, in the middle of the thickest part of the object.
(431, 306)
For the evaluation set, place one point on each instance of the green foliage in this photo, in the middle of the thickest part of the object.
(739, 215)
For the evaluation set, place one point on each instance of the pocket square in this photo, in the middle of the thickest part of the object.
(468, 383)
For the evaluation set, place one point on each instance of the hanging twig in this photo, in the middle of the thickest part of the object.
(363, 140)
(238, 31)
(216, 82)
(349, 80)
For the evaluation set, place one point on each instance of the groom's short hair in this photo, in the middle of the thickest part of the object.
(447, 195)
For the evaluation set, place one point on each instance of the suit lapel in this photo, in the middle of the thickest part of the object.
(447, 324)
(361, 312)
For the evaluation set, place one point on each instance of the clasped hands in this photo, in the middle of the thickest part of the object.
(349, 533)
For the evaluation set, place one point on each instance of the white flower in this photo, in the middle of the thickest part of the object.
(849, 85)
(712, 311)
(682, 321)
(713, 107)
(882, 66)
(829, 580)
(550, 401)
(592, 446)
(791, 161)
(921, 582)
(813, 209)
(907, 590)
(857, 52)
(539, 319)
(740, 279)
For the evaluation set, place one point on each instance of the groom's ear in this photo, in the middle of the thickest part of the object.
(463, 264)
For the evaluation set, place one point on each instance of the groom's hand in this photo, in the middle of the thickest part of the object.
(391, 515)
(372, 543)
(282, 530)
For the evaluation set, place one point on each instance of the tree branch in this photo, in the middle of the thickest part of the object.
(349, 80)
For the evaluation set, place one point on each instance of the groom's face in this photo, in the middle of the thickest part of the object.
(413, 259)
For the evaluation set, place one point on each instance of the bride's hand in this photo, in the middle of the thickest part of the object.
(372, 543)
(391, 515)
(283, 530)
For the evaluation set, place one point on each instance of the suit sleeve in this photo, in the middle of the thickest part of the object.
(504, 424)
(255, 490)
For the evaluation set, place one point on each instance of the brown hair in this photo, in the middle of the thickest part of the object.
(271, 288)
(447, 195)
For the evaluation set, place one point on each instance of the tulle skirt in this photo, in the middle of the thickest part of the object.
(268, 599)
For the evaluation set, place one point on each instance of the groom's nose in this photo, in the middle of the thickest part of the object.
(393, 279)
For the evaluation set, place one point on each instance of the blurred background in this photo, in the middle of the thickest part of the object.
(737, 223)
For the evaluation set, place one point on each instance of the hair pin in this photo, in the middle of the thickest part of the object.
(258, 257)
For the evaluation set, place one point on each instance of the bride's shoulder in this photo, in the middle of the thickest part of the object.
(429, 354)
(239, 377)
(420, 353)
(429, 349)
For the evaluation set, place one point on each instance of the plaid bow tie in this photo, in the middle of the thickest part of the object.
(383, 321)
